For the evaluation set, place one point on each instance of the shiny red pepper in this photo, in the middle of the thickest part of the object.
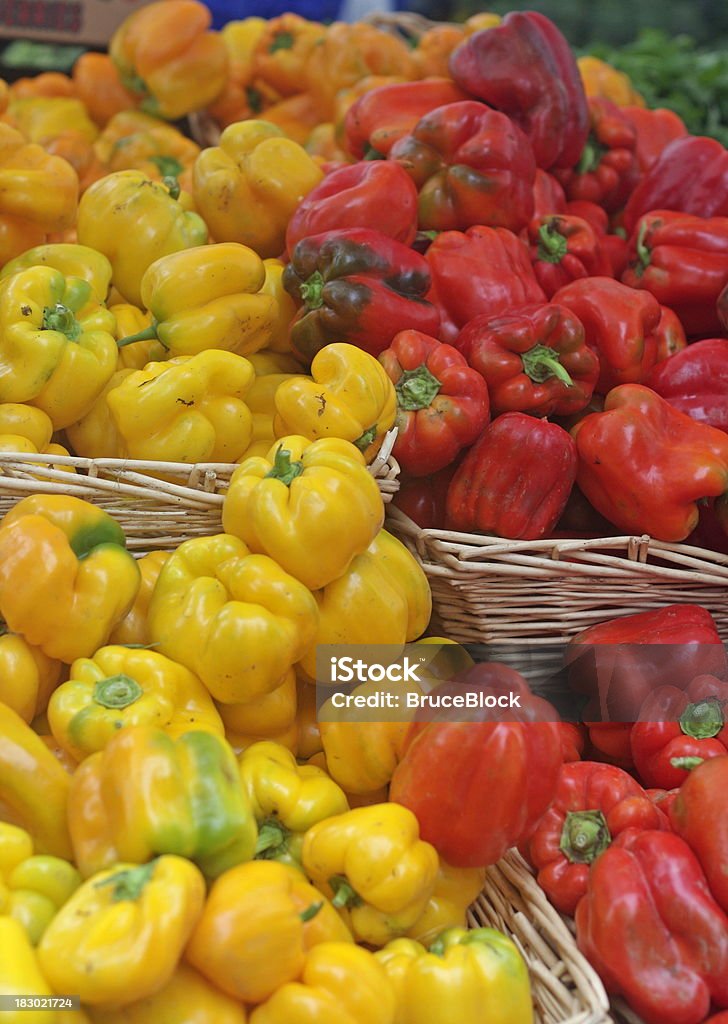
(591, 213)
(515, 480)
(565, 249)
(573, 741)
(423, 498)
(669, 335)
(609, 741)
(442, 404)
(695, 381)
(616, 250)
(548, 195)
(655, 129)
(533, 358)
(700, 815)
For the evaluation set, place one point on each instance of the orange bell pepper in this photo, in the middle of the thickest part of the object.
(433, 50)
(48, 83)
(297, 116)
(80, 154)
(283, 51)
(97, 83)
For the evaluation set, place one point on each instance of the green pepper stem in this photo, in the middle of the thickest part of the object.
(148, 334)
(272, 838)
(644, 255)
(3, 627)
(373, 154)
(312, 289)
(168, 166)
(129, 884)
(703, 719)
(172, 186)
(60, 318)
(117, 692)
(367, 438)
(542, 362)
(686, 763)
(552, 245)
(281, 41)
(310, 912)
(416, 389)
(590, 158)
(283, 469)
(584, 836)
(344, 894)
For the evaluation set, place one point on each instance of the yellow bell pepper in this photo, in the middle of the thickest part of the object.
(601, 79)
(187, 998)
(57, 350)
(340, 984)
(20, 974)
(23, 428)
(135, 141)
(260, 921)
(134, 221)
(248, 187)
(261, 402)
(236, 620)
(286, 308)
(373, 864)
(120, 936)
(122, 686)
(287, 799)
(27, 675)
(206, 299)
(270, 717)
(33, 887)
(455, 889)
(467, 975)
(382, 598)
(188, 409)
(267, 362)
(66, 577)
(33, 786)
(71, 259)
(311, 506)
(131, 320)
(95, 436)
(348, 395)
(43, 118)
(132, 629)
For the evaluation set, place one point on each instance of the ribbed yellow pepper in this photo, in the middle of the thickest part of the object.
(134, 141)
(33, 887)
(66, 577)
(236, 620)
(42, 118)
(146, 793)
(208, 298)
(270, 717)
(188, 409)
(131, 320)
(134, 221)
(120, 936)
(187, 998)
(374, 865)
(466, 976)
(20, 974)
(261, 402)
(287, 799)
(33, 786)
(285, 307)
(248, 186)
(266, 362)
(122, 686)
(348, 395)
(601, 79)
(95, 436)
(455, 889)
(71, 260)
(27, 675)
(57, 349)
(311, 506)
(340, 984)
(133, 627)
(260, 921)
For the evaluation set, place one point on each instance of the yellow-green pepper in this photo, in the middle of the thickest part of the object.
(236, 620)
(120, 936)
(146, 794)
(71, 260)
(20, 974)
(66, 577)
(270, 717)
(57, 349)
(373, 864)
(187, 998)
(311, 506)
(27, 675)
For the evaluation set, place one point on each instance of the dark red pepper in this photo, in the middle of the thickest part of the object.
(423, 498)
(548, 195)
(695, 381)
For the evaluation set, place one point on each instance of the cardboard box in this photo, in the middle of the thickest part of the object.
(89, 22)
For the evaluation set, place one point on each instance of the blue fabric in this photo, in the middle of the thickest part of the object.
(235, 10)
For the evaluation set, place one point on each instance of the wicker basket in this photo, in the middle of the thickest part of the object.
(155, 514)
(566, 990)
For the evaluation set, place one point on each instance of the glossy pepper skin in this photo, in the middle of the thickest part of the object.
(688, 461)
(650, 926)
(260, 922)
(704, 793)
(462, 970)
(272, 717)
(248, 186)
(20, 973)
(594, 803)
(252, 620)
(654, 130)
(186, 996)
(348, 395)
(479, 787)
(119, 937)
(423, 498)
(481, 270)
(135, 141)
(360, 285)
(146, 794)
(563, 249)
(533, 359)
(310, 506)
(374, 867)
(442, 404)
(167, 56)
(120, 687)
(71, 259)
(132, 629)
(27, 675)
(683, 261)
(88, 582)
(351, 197)
(514, 482)
(695, 381)
(455, 889)
(607, 170)
(526, 68)
(471, 165)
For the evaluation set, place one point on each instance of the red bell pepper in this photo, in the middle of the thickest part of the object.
(579, 518)
(700, 815)
(381, 116)
(548, 195)
(423, 498)
(652, 930)
(691, 175)
(664, 799)
(565, 249)
(669, 335)
(620, 325)
(534, 359)
(616, 250)
(722, 308)
(709, 533)
(675, 726)
(351, 197)
(607, 170)
(593, 804)
(639, 434)
(479, 787)
(471, 165)
(526, 68)
(481, 270)
(515, 480)
(360, 285)
(591, 213)
(442, 405)
(655, 129)
(683, 261)
(695, 381)
(610, 742)
(573, 741)
(718, 1018)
